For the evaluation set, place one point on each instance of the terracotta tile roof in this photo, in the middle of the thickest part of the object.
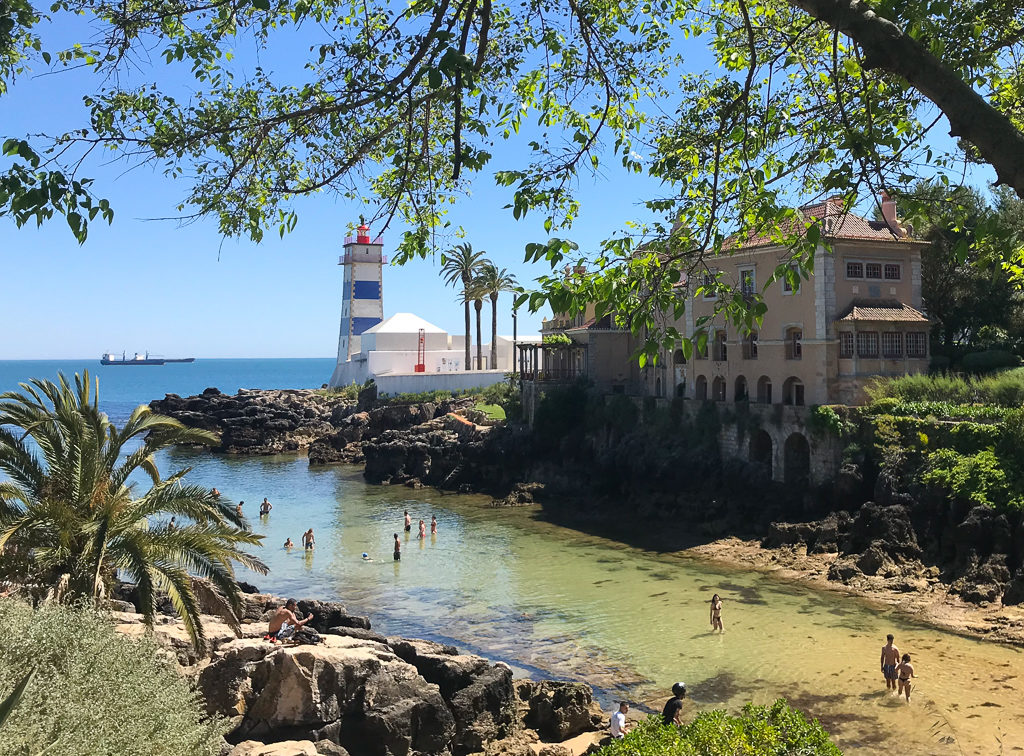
(887, 310)
(836, 224)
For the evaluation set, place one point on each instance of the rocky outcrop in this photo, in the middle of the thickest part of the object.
(478, 693)
(353, 692)
(257, 421)
(559, 710)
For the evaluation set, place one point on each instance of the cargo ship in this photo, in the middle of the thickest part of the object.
(110, 358)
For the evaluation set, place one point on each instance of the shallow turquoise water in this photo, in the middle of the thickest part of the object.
(554, 602)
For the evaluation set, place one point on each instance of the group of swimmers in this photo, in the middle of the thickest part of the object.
(265, 506)
(897, 670)
(408, 529)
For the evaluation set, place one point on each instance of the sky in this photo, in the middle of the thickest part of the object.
(179, 291)
(183, 291)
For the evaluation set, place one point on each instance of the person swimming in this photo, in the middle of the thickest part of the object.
(288, 544)
(366, 557)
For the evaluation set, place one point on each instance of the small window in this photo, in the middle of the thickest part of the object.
(747, 282)
(867, 344)
(854, 269)
(709, 281)
(873, 270)
(917, 344)
(750, 347)
(892, 344)
(794, 344)
(787, 285)
(721, 350)
(846, 345)
(893, 271)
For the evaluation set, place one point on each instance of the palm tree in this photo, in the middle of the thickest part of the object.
(460, 265)
(72, 515)
(494, 282)
(475, 293)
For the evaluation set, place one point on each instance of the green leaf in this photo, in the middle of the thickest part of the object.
(8, 704)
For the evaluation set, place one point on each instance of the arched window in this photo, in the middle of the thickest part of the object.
(764, 390)
(701, 388)
(793, 392)
(718, 389)
(678, 358)
(657, 386)
(794, 343)
(740, 393)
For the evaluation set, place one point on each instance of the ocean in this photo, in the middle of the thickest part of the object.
(123, 388)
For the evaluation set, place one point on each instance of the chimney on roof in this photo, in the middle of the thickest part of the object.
(889, 214)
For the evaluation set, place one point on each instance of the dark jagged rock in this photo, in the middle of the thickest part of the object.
(559, 710)
(328, 614)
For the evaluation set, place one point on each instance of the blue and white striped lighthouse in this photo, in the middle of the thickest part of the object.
(362, 301)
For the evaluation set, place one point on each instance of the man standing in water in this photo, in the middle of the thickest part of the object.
(398, 548)
(265, 507)
(308, 541)
(672, 713)
(890, 658)
(408, 521)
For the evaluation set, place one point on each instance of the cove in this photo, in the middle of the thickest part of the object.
(553, 602)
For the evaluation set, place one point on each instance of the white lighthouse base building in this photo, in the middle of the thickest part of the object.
(390, 351)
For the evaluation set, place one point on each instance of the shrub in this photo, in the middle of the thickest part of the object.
(775, 730)
(989, 360)
(976, 478)
(556, 338)
(1005, 389)
(95, 692)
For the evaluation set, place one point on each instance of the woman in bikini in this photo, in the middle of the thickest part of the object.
(904, 672)
(433, 524)
(716, 613)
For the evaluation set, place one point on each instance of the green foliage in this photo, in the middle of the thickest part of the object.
(989, 360)
(14, 697)
(556, 338)
(979, 479)
(95, 693)
(76, 520)
(493, 411)
(561, 412)
(1005, 389)
(824, 419)
(775, 730)
(350, 391)
(399, 103)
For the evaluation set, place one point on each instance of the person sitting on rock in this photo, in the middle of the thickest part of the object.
(284, 623)
(618, 723)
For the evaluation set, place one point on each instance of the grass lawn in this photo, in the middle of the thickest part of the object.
(493, 411)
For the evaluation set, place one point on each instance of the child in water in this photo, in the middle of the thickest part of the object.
(716, 613)
(904, 672)
(423, 529)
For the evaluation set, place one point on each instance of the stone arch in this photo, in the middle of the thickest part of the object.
(678, 358)
(764, 390)
(762, 449)
(657, 386)
(796, 460)
(740, 393)
(718, 389)
(701, 388)
(793, 391)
